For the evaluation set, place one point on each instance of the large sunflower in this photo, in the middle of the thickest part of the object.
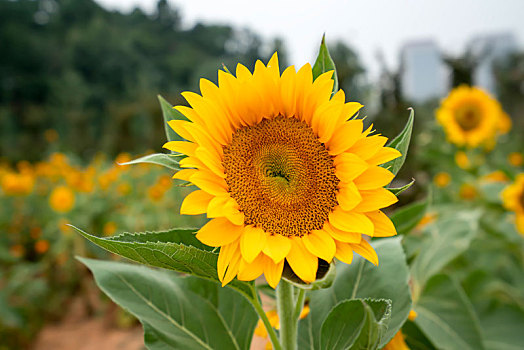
(471, 117)
(513, 197)
(285, 174)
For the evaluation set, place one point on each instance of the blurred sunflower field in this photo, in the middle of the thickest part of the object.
(81, 142)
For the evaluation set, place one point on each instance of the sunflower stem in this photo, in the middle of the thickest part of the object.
(270, 331)
(286, 315)
(300, 303)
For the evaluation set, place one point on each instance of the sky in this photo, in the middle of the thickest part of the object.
(368, 26)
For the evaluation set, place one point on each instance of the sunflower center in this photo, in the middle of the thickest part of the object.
(468, 118)
(281, 176)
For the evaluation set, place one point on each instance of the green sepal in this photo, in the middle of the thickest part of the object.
(398, 190)
(324, 63)
(166, 160)
(401, 144)
(169, 113)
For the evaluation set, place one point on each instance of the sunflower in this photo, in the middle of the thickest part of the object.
(471, 117)
(285, 173)
(513, 198)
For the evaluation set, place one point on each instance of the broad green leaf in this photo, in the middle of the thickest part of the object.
(169, 113)
(401, 143)
(178, 235)
(324, 63)
(355, 324)
(361, 279)
(503, 329)
(166, 160)
(170, 250)
(175, 316)
(414, 337)
(446, 316)
(447, 239)
(407, 217)
(398, 190)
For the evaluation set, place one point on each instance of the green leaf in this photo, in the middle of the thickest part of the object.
(503, 329)
(355, 324)
(361, 279)
(169, 113)
(401, 143)
(172, 250)
(407, 217)
(447, 239)
(163, 159)
(446, 316)
(324, 63)
(174, 315)
(398, 190)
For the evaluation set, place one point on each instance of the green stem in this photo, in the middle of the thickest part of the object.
(288, 323)
(300, 304)
(260, 311)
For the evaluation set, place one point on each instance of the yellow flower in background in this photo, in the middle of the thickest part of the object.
(442, 179)
(51, 135)
(397, 343)
(495, 176)
(462, 160)
(41, 246)
(283, 174)
(513, 198)
(427, 219)
(515, 159)
(467, 192)
(17, 183)
(412, 315)
(17, 250)
(274, 321)
(155, 193)
(471, 117)
(109, 228)
(62, 199)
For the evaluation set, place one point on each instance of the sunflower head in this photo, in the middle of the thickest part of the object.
(513, 199)
(286, 173)
(471, 117)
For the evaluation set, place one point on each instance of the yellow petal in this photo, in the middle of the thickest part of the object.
(195, 203)
(179, 126)
(211, 160)
(301, 261)
(242, 72)
(374, 177)
(320, 244)
(219, 232)
(344, 252)
(383, 225)
(385, 154)
(367, 147)
(348, 166)
(342, 236)
(190, 114)
(216, 206)
(348, 195)
(345, 137)
(232, 269)
(288, 83)
(329, 121)
(350, 221)
(365, 250)
(273, 271)
(184, 174)
(184, 147)
(209, 182)
(250, 271)
(225, 256)
(252, 242)
(375, 199)
(277, 247)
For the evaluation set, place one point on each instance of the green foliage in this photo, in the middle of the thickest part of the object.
(448, 238)
(363, 280)
(169, 113)
(175, 249)
(355, 324)
(324, 63)
(446, 316)
(177, 312)
(407, 217)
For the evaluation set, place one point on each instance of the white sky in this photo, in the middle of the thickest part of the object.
(366, 25)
